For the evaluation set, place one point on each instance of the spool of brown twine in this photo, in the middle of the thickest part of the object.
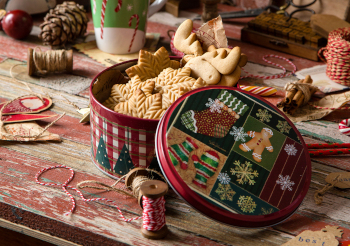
(50, 61)
(337, 56)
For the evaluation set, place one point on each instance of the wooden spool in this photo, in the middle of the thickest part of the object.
(152, 189)
(32, 69)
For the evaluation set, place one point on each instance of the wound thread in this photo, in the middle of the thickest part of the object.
(153, 214)
(50, 61)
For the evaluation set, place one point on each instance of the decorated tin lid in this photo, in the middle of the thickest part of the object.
(233, 156)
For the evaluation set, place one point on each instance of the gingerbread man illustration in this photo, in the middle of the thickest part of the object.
(259, 141)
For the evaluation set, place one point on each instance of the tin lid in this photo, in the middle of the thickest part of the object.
(233, 157)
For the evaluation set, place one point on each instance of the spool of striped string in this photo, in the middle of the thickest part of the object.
(337, 56)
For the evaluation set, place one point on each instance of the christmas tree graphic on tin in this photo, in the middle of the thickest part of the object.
(218, 118)
(124, 163)
(101, 155)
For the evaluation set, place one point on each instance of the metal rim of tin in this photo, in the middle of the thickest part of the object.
(209, 209)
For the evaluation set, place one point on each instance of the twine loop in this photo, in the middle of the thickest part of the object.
(303, 87)
(318, 196)
(337, 56)
(135, 185)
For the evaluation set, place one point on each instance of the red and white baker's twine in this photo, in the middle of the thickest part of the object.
(136, 27)
(282, 75)
(153, 214)
(65, 186)
(153, 209)
(337, 56)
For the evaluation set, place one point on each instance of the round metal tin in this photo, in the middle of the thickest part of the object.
(233, 157)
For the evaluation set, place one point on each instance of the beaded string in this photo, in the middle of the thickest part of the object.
(153, 214)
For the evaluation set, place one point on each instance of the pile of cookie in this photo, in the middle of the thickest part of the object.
(156, 81)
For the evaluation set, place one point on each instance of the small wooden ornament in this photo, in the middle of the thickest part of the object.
(34, 67)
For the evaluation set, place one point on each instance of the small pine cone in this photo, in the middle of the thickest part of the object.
(77, 15)
(63, 24)
(52, 32)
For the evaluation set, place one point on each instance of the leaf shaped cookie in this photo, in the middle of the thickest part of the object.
(154, 107)
(146, 86)
(171, 94)
(149, 65)
(110, 103)
(120, 92)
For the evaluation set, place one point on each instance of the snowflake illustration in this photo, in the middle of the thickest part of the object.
(224, 178)
(214, 105)
(244, 172)
(263, 115)
(266, 211)
(283, 126)
(129, 7)
(246, 204)
(285, 182)
(290, 149)
(238, 133)
(225, 192)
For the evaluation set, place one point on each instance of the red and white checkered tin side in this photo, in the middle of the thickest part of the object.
(125, 140)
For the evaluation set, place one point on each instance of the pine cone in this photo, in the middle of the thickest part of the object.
(63, 24)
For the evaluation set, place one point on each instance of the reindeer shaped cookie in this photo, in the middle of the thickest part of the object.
(216, 66)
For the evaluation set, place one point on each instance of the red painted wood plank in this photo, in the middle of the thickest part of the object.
(19, 189)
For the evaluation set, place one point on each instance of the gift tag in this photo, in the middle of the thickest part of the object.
(339, 179)
(23, 117)
(325, 237)
(28, 104)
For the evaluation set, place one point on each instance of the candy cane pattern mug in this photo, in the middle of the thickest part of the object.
(120, 25)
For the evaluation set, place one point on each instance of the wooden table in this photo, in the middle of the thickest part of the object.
(38, 211)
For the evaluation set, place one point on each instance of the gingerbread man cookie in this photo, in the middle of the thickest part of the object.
(259, 141)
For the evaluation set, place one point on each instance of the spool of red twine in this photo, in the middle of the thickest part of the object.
(337, 56)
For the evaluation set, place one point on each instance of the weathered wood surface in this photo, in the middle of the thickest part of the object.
(41, 208)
